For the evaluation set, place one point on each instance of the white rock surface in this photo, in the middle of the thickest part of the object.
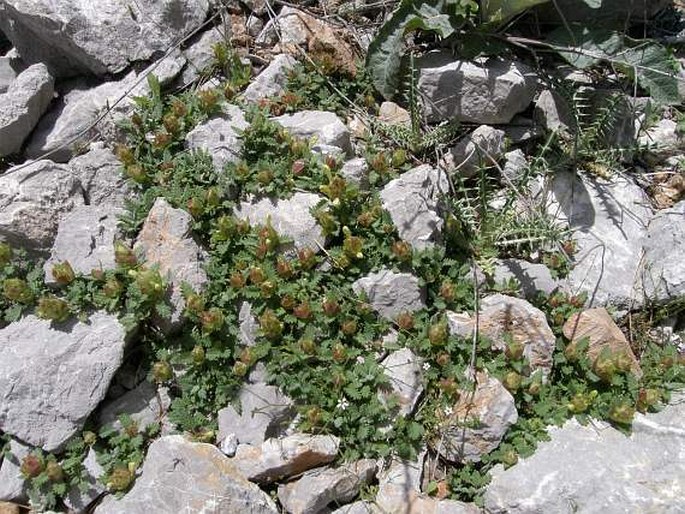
(412, 202)
(532, 278)
(475, 151)
(22, 105)
(595, 468)
(403, 369)
(390, 293)
(13, 486)
(101, 177)
(180, 476)
(272, 80)
(75, 37)
(325, 126)
(489, 92)
(52, 378)
(219, 137)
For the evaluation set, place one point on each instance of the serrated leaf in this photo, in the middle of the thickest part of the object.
(656, 71)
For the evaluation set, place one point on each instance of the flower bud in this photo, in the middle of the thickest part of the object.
(52, 308)
(17, 290)
(5, 254)
(162, 372)
(32, 465)
(63, 273)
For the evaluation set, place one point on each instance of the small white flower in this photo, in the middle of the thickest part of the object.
(448, 411)
(360, 359)
(426, 366)
(343, 404)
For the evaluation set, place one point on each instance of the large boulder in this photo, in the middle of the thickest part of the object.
(166, 241)
(22, 105)
(33, 199)
(412, 202)
(595, 468)
(490, 91)
(180, 476)
(74, 37)
(53, 377)
(610, 220)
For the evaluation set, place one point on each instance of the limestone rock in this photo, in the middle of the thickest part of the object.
(356, 171)
(554, 114)
(316, 489)
(285, 456)
(25, 101)
(272, 80)
(166, 240)
(146, 404)
(533, 278)
(78, 501)
(179, 476)
(610, 220)
(85, 238)
(101, 177)
(77, 118)
(264, 412)
(219, 137)
(403, 369)
(74, 38)
(293, 30)
(475, 151)
(595, 468)
(412, 202)
(662, 139)
(249, 326)
(477, 422)
(7, 74)
(52, 378)
(325, 126)
(13, 486)
(515, 164)
(399, 491)
(291, 218)
(599, 328)
(199, 54)
(393, 114)
(390, 293)
(663, 274)
(33, 198)
(504, 317)
(488, 92)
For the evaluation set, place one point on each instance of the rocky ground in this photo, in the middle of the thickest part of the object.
(237, 279)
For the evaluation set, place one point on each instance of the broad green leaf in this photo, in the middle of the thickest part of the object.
(499, 11)
(385, 53)
(655, 69)
(586, 47)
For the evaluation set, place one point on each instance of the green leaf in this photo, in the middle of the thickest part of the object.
(500, 11)
(384, 58)
(656, 71)
(587, 47)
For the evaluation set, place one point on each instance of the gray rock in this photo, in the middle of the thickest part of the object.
(13, 486)
(146, 404)
(25, 101)
(7, 74)
(662, 139)
(249, 326)
(358, 507)
(533, 278)
(166, 240)
(258, 7)
(610, 220)
(272, 80)
(403, 369)
(77, 118)
(74, 38)
(475, 151)
(554, 114)
(290, 218)
(101, 177)
(391, 294)
(325, 126)
(595, 468)
(180, 476)
(356, 171)
(487, 92)
(412, 202)
(393, 114)
(85, 238)
(219, 137)
(515, 165)
(522, 130)
(284, 457)
(399, 490)
(264, 413)
(33, 199)
(663, 275)
(52, 378)
(229, 445)
(477, 422)
(200, 54)
(254, 25)
(78, 501)
(316, 489)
